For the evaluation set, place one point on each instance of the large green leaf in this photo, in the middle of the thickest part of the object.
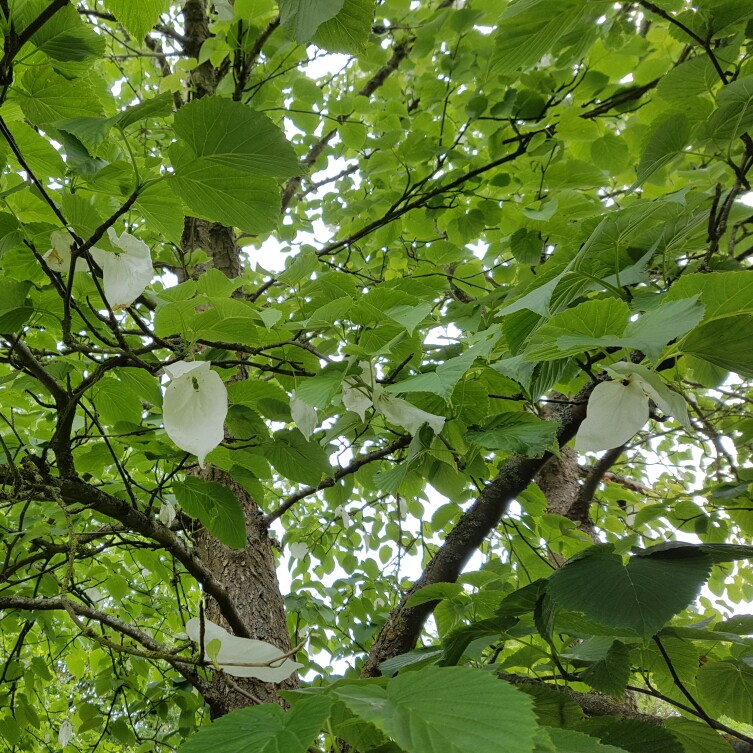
(669, 136)
(216, 507)
(66, 37)
(443, 380)
(15, 310)
(227, 134)
(303, 17)
(553, 708)
(734, 115)
(446, 710)
(138, 16)
(726, 688)
(722, 293)
(588, 325)
(295, 458)
(530, 30)
(611, 674)
(47, 97)
(571, 741)
(642, 595)
(724, 342)
(516, 432)
(224, 194)
(349, 30)
(263, 729)
(696, 737)
(631, 734)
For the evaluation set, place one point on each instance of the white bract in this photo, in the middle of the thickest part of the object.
(359, 396)
(304, 415)
(65, 733)
(344, 515)
(195, 407)
(236, 654)
(298, 550)
(619, 409)
(126, 272)
(166, 514)
(58, 258)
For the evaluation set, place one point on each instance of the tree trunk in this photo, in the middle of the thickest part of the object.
(251, 582)
(249, 575)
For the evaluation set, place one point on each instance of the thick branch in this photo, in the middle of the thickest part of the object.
(74, 491)
(404, 625)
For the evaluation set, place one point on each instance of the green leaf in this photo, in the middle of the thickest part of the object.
(641, 596)
(227, 134)
(162, 210)
(15, 308)
(696, 737)
(138, 16)
(295, 458)
(443, 380)
(301, 18)
(570, 741)
(654, 329)
(216, 507)
(553, 708)
(741, 624)
(224, 194)
(264, 728)
(724, 342)
(10, 232)
(530, 30)
(610, 152)
(717, 554)
(446, 710)
(611, 674)
(160, 106)
(349, 30)
(734, 114)
(588, 325)
(722, 293)
(631, 734)
(456, 642)
(66, 37)
(47, 97)
(516, 432)
(668, 137)
(726, 688)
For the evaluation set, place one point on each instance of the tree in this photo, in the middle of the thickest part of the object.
(505, 226)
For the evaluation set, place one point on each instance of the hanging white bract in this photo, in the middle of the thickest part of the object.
(360, 396)
(618, 410)
(125, 273)
(234, 654)
(58, 258)
(195, 407)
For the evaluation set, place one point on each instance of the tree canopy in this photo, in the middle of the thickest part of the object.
(441, 310)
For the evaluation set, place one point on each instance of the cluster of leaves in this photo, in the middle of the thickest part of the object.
(489, 209)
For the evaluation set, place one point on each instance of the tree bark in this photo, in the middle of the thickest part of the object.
(251, 582)
(248, 576)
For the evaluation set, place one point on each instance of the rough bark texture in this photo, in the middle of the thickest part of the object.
(251, 582)
(217, 241)
(559, 480)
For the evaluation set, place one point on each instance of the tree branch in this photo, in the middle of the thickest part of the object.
(332, 480)
(60, 603)
(404, 625)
